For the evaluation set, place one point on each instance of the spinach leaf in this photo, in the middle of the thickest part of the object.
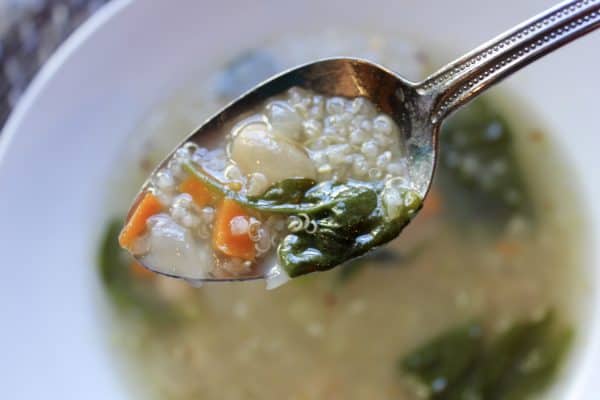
(346, 219)
(315, 200)
(347, 211)
(347, 203)
(524, 358)
(509, 350)
(350, 222)
(459, 365)
(479, 174)
(287, 191)
(541, 365)
(444, 363)
(111, 258)
(127, 293)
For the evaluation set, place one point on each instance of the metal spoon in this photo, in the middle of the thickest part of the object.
(419, 108)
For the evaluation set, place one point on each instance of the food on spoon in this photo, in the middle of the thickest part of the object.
(136, 224)
(199, 192)
(232, 231)
(256, 151)
(304, 184)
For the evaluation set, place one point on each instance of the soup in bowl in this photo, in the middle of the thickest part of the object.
(477, 298)
(489, 290)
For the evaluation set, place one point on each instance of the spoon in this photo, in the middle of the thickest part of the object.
(418, 108)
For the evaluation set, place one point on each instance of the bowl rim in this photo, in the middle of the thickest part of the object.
(582, 364)
(49, 69)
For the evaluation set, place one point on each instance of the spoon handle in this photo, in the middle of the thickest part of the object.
(462, 80)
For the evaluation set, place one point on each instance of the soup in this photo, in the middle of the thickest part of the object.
(476, 298)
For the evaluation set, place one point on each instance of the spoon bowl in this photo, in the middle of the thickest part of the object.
(344, 77)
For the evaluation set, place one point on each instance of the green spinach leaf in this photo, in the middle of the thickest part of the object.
(445, 362)
(479, 174)
(351, 222)
(460, 365)
(287, 191)
(350, 210)
(347, 219)
(524, 358)
(130, 295)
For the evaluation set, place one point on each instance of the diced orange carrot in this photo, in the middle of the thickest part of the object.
(536, 136)
(136, 224)
(228, 242)
(432, 205)
(508, 248)
(198, 190)
(140, 272)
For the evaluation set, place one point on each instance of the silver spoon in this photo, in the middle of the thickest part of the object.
(418, 108)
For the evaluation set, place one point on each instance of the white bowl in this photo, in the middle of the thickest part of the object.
(57, 149)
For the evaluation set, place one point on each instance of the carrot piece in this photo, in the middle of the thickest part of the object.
(432, 205)
(199, 192)
(536, 136)
(508, 248)
(140, 272)
(231, 243)
(136, 224)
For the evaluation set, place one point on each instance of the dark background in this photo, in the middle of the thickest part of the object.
(30, 31)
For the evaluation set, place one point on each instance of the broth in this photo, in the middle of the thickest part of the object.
(496, 244)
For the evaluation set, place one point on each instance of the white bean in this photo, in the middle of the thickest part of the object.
(256, 151)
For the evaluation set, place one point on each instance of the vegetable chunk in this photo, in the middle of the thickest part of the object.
(199, 192)
(229, 236)
(136, 226)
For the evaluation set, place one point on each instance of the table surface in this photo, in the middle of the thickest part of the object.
(30, 31)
